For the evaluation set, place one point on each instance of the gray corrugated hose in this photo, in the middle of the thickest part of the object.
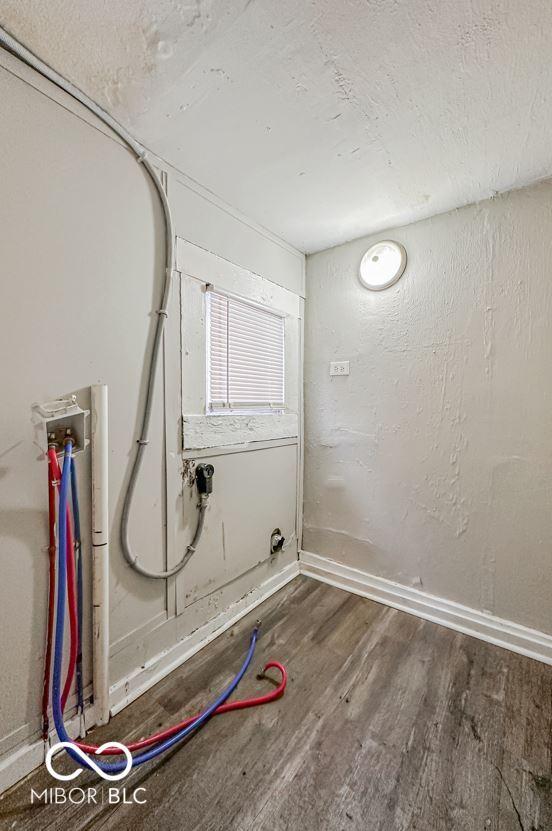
(12, 45)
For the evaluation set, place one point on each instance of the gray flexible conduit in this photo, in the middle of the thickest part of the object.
(13, 46)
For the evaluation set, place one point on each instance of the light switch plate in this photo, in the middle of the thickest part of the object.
(339, 367)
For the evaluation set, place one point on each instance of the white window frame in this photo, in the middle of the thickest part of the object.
(233, 408)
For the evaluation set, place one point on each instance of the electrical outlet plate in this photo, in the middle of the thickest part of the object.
(339, 367)
(60, 418)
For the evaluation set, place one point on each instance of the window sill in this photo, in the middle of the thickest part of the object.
(202, 431)
(242, 411)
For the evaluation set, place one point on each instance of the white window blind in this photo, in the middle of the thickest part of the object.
(245, 361)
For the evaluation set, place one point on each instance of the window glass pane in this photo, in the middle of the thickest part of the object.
(218, 349)
(246, 355)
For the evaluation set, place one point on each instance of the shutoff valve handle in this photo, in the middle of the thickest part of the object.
(204, 478)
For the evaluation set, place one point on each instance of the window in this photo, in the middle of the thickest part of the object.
(245, 355)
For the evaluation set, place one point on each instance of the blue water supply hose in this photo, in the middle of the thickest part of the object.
(80, 593)
(112, 767)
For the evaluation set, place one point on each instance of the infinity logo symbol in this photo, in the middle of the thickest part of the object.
(112, 777)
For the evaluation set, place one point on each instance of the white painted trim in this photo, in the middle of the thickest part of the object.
(224, 430)
(246, 447)
(495, 630)
(214, 199)
(228, 277)
(141, 680)
(15, 67)
(301, 437)
(24, 759)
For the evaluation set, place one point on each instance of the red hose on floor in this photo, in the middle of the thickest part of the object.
(54, 478)
(242, 704)
(71, 592)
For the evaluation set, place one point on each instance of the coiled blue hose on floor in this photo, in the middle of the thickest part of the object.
(112, 767)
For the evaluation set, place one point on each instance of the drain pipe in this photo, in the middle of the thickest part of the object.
(100, 553)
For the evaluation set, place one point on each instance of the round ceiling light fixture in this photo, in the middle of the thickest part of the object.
(382, 265)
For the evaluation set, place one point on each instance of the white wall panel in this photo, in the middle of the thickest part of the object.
(254, 492)
(80, 235)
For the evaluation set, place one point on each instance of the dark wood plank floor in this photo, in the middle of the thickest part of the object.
(389, 722)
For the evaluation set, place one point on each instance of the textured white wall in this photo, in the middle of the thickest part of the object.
(431, 464)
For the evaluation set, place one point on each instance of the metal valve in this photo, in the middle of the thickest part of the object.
(204, 478)
(277, 541)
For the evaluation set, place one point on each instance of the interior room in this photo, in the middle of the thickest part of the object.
(276, 327)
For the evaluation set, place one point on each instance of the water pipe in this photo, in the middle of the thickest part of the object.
(170, 731)
(241, 704)
(80, 599)
(51, 598)
(70, 566)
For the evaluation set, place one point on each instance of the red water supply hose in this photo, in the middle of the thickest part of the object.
(71, 591)
(242, 704)
(51, 596)
(54, 477)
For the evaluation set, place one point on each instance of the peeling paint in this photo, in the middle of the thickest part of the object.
(218, 431)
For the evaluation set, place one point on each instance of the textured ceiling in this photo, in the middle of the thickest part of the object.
(322, 120)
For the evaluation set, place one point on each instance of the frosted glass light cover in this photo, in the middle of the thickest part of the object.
(382, 265)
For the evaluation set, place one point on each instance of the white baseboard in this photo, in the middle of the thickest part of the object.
(504, 633)
(131, 687)
(24, 759)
